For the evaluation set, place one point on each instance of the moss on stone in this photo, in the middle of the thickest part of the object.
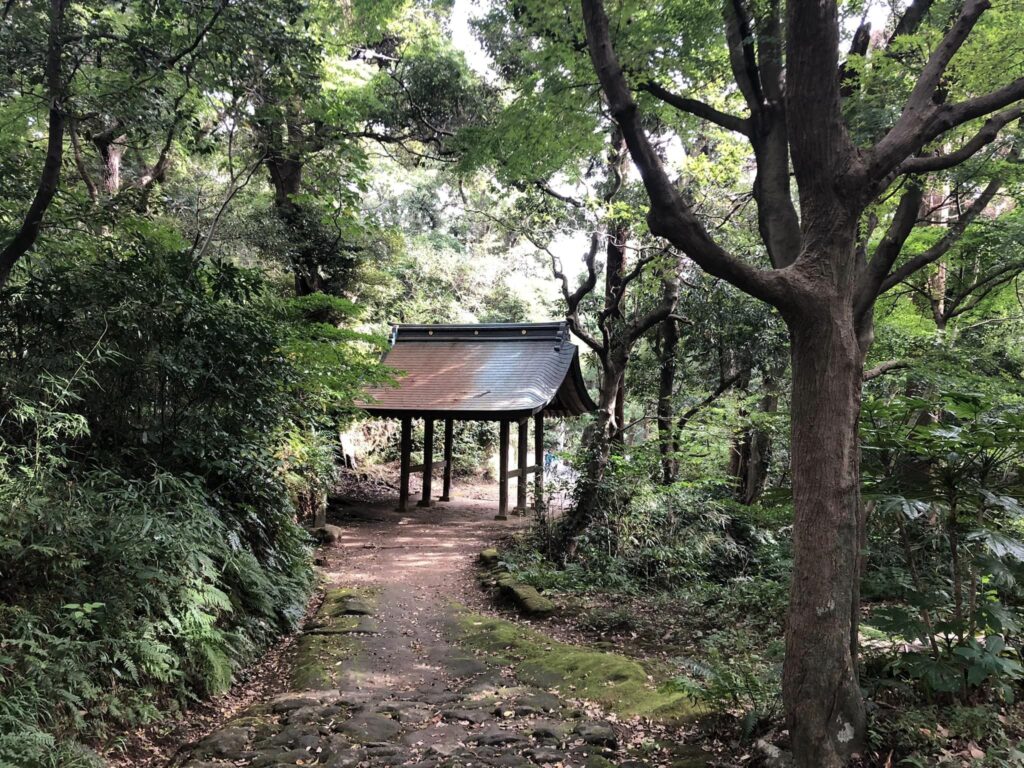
(318, 653)
(528, 600)
(489, 557)
(622, 685)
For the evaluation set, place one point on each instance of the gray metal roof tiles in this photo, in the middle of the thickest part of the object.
(483, 371)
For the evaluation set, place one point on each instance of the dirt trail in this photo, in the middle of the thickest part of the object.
(382, 678)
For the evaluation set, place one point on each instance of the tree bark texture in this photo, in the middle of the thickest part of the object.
(820, 682)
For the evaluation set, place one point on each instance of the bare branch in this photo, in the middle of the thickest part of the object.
(988, 133)
(669, 299)
(971, 296)
(83, 171)
(883, 368)
(948, 240)
(720, 390)
(189, 49)
(233, 189)
(567, 199)
(573, 298)
(698, 108)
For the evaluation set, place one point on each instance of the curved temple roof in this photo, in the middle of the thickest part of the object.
(482, 371)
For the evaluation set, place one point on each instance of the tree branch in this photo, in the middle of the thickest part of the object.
(720, 390)
(981, 139)
(910, 20)
(883, 368)
(573, 298)
(922, 96)
(697, 108)
(669, 216)
(49, 179)
(923, 119)
(970, 297)
(83, 171)
(888, 249)
(948, 240)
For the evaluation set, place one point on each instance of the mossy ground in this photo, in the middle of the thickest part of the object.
(622, 685)
(319, 658)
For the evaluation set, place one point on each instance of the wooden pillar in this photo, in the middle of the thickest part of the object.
(521, 464)
(404, 452)
(502, 470)
(538, 460)
(449, 435)
(428, 461)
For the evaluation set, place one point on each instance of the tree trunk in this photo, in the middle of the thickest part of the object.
(755, 448)
(590, 491)
(110, 144)
(615, 270)
(668, 345)
(49, 179)
(286, 178)
(820, 682)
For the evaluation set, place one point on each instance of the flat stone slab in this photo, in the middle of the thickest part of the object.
(370, 728)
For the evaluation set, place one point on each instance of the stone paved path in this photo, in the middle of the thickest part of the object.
(379, 678)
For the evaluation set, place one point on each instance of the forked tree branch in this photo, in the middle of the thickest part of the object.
(922, 97)
(924, 117)
(669, 216)
(947, 241)
(573, 298)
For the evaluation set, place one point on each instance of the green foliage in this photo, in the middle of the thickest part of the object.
(153, 455)
(916, 737)
(954, 459)
(735, 677)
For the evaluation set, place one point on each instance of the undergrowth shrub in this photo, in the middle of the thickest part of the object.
(148, 542)
(647, 536)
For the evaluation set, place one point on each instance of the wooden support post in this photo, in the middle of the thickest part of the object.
(538, 461)
(521, 461)
(502, 470)
(449, 435)
(428, 461)
(404, 451)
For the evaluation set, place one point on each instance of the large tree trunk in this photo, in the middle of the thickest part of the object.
(820, 681)
(286, 178)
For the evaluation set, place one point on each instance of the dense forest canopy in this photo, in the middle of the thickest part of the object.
(786, 236)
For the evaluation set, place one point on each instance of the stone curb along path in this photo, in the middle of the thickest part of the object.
(393, 674)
